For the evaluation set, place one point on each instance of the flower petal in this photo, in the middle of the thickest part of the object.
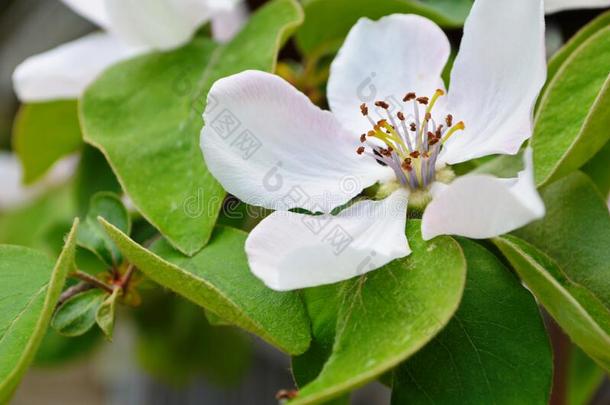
(226, 24)
(482, 206)
(288, 251)
(267, 144)
(93, 10)
(383, 60)
(496, 78)
(161, 24)
(553, 6)
(64, 72)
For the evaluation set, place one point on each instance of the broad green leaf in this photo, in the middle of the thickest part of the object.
(218, 279)
(145, 116)
(77, 315)
(92, 176)
(575, 233)
(584, 378)
(387, 315)
(29, 288)
(44, 133)
(597, 170)
(574, 114)
(496, 336)
(91, 234)
(104, 316)
(175, 343)
(599, 23)
(579, 313)
(327, 22)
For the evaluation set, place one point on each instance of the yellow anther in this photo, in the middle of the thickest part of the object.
(460, 126)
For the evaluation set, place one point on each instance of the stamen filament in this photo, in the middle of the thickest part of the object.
(460, 126)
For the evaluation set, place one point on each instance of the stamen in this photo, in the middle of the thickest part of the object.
(409, 96)
(360, 150)
(460, 126)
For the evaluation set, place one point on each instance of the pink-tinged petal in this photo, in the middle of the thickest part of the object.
(161, 24)
(226, 24)
(93, 10)
(270, 146)
(553, 6)
(288, 251)
(482, 206)
(384, 60)
(496, 79)
(64, 72)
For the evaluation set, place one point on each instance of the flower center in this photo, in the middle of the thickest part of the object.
(410, 142)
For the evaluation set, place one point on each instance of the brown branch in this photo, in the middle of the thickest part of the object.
(92, 280)
(72, 291)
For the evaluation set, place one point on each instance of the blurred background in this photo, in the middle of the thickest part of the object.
(166, 351)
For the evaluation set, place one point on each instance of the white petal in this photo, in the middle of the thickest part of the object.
(496, 78)
(13, 193)
(267, 144)
(93, 10)
(553, 6)
(288, 251)
(161, 24)
(64, 72)
(384, 60)
(226, 24)
(481, 206)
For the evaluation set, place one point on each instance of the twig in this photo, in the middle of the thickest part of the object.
(72, 291)
(92, 280)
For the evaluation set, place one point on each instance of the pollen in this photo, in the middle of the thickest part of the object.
(412, 140)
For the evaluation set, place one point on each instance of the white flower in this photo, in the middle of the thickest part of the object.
(130, 27)
(553, 6)
(12, 191)
(267, 144)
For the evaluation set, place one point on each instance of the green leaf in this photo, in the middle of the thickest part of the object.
(599, 23)
(218, 279)
(597, 170)
(92, 176)
(29, 288)
(575, 233)
(327, 22)
(497, 335)
(574, 114)
(77, 315)
(389, 314)
(584, 378)
(579, 313)
(91, 234)
(105, 314)
(145, 116)
(44, 133)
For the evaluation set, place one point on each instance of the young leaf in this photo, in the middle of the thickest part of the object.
(145, 116)
(579, 313)
(77, 315)
(497, 335)
(92, 176)
(29, 288)
(327, 22)
(91, 235)
(105, 313)
(575, 233)
(389, 314)
(597, 170)
(572, 121)
(44, 133)
(584, 378)
(218, 279)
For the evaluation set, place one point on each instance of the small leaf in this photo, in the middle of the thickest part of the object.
(575, 233)
(92, 176)
(44, 133)
(389, 314)
(579, 313)
(574, 114)
(597, 170)
(145, 116)
(327, 22)
(29, 288)
(105, 313)
(218, 279)
(91, 235)
(77, 315)
(584, 378)
(497, 335)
